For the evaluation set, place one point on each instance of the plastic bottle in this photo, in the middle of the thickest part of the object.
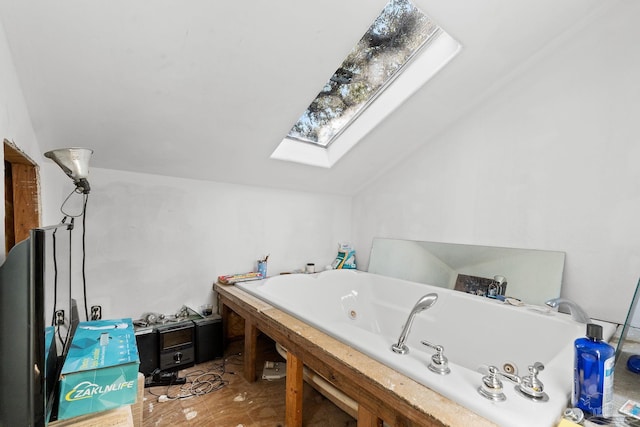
(593, 373)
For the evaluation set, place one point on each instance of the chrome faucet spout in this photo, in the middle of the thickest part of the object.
(577, 313)
(422, 304)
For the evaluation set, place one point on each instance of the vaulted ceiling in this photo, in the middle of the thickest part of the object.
(207, 89)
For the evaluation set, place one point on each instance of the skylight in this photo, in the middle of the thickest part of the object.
(347, 106)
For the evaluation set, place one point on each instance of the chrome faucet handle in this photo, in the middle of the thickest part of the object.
(491, 387)
(439, 363)
(531, 387)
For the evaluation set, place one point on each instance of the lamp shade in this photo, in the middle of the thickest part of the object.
(74, 162)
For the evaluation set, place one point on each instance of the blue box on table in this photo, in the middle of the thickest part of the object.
(100, 371)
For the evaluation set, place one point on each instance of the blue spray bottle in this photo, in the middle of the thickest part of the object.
(593, 373)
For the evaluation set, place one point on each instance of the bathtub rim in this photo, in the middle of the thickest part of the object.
(276, 305)
(363, 376)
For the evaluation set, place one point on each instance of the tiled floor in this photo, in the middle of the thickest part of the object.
(235, 402)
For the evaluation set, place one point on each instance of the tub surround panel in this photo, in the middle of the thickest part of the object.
(388, 394)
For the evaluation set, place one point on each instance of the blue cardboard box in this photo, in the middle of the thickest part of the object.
(50, 371)
(100, 371)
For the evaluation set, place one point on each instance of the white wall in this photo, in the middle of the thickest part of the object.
(155, 243)
(15, 123)
(550, 162)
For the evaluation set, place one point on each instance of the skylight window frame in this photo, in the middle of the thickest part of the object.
(377, 94)
(435, 53)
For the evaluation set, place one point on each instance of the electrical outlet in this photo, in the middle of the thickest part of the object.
(59, 317)
(96, 312)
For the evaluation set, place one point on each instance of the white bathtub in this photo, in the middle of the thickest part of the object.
(368, 311)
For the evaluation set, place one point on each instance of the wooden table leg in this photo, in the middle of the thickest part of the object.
(366, 418)
(250, 343)
(294, 384)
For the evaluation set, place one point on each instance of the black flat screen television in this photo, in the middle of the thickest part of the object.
(35, 283)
